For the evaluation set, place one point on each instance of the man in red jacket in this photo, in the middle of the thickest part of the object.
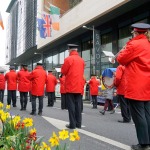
(63, 92)
(38, 79)
(51, 82)
(73, 69)
(94, 83)
(136, 58)
(2, 85)
(120, 85)
(11, 78)
(24, 85)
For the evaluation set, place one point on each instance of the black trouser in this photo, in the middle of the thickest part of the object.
(81, 103)
(11, 95)
(94, 99)
(140, 111)
(63, 101)
(51, 98)
(74, 109)
(34, 103)
(125, 108)
(23, 99)
(1, 95)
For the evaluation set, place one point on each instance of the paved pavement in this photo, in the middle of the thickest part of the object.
(97, 133)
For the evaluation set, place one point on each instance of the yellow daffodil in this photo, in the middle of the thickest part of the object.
(1, 105)
(16, 119)
(74, 136)
(28, 122)
(45, 146)
(54, 140)
(63, 135)
(32, 131)
(8, 107)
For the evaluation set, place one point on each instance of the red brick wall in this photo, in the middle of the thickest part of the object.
(62, 4)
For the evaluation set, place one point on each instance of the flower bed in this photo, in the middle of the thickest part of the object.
(20, 134)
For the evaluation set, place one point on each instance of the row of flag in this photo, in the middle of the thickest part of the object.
(49, 22)
(1, 21)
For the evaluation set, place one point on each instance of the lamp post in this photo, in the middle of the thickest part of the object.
(92, 29)
(42, 57)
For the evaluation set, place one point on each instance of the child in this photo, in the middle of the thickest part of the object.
(109, 93)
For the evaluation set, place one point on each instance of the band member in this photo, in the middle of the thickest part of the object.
(2, 86)
(63, 92)
(136, 58)
(94, 83)
(38, 80)
(11, 78)
(24, 85)
(120, 85)
(73, 69)
(51, 83)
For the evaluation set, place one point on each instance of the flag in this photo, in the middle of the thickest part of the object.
(1, 21)
(44, 26)
(55, 14)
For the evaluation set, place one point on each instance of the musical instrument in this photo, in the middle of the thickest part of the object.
(112, 58)
(108, 77)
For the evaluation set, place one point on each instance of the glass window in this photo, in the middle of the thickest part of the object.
(86, 57)
(55, 60)
(61, 58)
(87, 73)
(106, 45)
(48, 62)
(124, 36)
(66, 53)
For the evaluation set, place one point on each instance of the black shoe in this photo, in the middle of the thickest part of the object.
(69, 127)
(124, 121)
(139, 147)
(33, 113)
(24, 108)
(21, 109)
(79, 127)
(40, 113)
(14, 106)
(48, 106)
(102, 112)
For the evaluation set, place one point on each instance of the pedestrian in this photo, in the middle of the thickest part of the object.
(24, 85)
(109, 94)
(63, 91)
(51, 83)
(11, 79)
(94, 83)
(135, 56)
(73, 69)
(38, 80)
(124, 103)
(2, 86)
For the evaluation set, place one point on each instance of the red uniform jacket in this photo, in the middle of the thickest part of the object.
(62, 84)
(24, 84)
(120, 80)
(73, 69)
(11, 78)
(38, 79)
(83, 83)
(2, 82)
(51, 82)
(136, 58)
(94, 83)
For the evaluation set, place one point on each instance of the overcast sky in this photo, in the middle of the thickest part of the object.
(3, 6)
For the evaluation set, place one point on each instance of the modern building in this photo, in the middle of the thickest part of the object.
(109, 19)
